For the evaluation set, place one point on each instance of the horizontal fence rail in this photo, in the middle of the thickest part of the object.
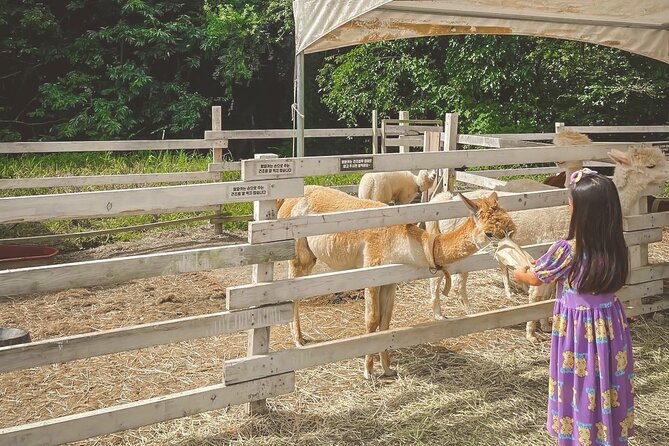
(246, 369)
(296, 227)
(141, 413)
(618, 128)
(42, 279)
(331, 165)
(108, 180)
(141, 201)
(244, 296)
(109, 146)
(87, 345)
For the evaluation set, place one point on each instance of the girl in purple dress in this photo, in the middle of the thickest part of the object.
(590, 389)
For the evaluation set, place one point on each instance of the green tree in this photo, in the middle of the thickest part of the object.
(497, 83)
(103, 69)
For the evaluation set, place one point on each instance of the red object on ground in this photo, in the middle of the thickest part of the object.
(21, 256)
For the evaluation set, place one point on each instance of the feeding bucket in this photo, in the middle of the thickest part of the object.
(13, 336)
(22, 256)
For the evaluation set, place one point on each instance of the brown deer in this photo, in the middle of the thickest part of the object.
(404, 244)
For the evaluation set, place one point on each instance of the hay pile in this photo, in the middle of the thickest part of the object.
(483, 389)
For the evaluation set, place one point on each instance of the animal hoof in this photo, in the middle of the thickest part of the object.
(439, 317)
(300, 342)
(390, 373)
(532, 338)
(367, 375)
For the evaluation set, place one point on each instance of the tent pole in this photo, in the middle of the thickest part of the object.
(299, 115)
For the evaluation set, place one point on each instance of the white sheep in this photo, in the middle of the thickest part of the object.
(395, 187)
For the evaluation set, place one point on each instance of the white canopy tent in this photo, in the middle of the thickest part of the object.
(640, 27)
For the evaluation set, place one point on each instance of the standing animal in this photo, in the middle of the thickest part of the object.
(513, 186)
(404, 244)
(636, 170)
(395, 187)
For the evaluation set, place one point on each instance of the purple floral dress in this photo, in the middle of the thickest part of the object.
(590, 388)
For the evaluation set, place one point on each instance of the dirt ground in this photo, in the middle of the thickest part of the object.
(483, 389)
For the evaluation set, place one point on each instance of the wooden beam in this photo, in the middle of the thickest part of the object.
(649, 273)
(646, 221)
(141, 413)
(87, 345)
(42, 279)
(140, 201)
(108, 146)
(296, 227)
(107, 180)
(244, 296)
(286, 133)
(618, 128)
(517, 172)
(331, 165)
(478, 180)
(240, 370)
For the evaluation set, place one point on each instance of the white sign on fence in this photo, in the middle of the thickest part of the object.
(273, 167)
(251, 190)
(350, 164)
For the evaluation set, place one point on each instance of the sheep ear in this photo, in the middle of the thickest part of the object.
(619, 157)
(473, 208)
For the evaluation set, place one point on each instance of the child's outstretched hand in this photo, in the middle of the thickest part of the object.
(524, 275)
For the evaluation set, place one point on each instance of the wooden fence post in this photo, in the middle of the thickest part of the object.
(217, 124)
(258, 339)
(450, 143)
(404, 121)
(638, 255)
(432, 143)
(375, 132)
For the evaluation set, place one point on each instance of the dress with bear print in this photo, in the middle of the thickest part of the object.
(590, 390)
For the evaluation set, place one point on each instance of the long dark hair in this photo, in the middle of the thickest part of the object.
(601, 259)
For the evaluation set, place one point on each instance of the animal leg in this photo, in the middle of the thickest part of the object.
(301, 265)
(372, 320)
(536, 293)
(505, 280)
(435, 299)
(460, 285)
(386, 304)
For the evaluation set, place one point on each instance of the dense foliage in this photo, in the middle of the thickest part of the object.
(498, 83)
(106, 69)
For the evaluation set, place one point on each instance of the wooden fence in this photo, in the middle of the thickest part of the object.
(264, 303)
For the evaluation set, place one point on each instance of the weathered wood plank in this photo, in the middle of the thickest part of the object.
(285, 133)
(296, 227)
(618, 128)
(42, 279)
(141, 413)
(108, 146)
(649, 273)
(244, 296)
(478, 180)
(70, 348)
(107, 180)
(140, 201)
(660, 305)
(646, 221)
(240, 370)
(330, 165)
(225, 166)
(514, 172)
